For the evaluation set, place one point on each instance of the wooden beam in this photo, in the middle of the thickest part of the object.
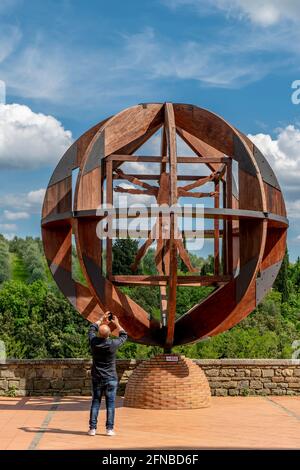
(217, 230)
(163, 148)
(229, 222)
(157, 177)
(163, 280)
(165, 159)
(109, 200)
(224, 232)
(201, 148)
(171, 139)
(163, 255)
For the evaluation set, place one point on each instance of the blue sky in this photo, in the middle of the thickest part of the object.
(67, 64)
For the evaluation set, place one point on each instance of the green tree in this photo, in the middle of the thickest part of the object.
(124, 251)
(208, 266)
(30, 251)
(37, 322)
(4, 260)
(282, 283)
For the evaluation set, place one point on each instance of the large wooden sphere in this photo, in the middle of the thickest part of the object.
(248, 212)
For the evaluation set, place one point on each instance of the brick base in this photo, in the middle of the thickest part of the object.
(167, 382)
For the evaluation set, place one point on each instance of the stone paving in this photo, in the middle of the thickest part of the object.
(230, 423)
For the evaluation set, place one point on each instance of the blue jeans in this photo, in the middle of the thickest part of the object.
(109, 390)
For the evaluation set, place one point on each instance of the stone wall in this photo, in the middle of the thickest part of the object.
(226, 376)
(252, 376)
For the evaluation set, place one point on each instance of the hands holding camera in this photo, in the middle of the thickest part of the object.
(109, 318)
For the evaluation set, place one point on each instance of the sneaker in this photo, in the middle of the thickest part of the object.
(110, 432)
(92, 432)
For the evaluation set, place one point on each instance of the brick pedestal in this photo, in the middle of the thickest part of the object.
(167, 382)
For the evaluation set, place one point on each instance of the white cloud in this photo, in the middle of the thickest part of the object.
(30, 202)
(261, 12)
(126, 200)
(264, 13)
(74, 76)
(283, 154)
(30, 140)
(36, 197)
(223, 63)
(19, 206)
(10, 215)
(293, 209)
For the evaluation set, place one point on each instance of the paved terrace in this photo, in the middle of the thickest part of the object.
(230, 423)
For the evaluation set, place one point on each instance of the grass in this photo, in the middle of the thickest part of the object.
(18, 270)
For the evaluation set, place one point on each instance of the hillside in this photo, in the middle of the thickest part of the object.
(36, 321)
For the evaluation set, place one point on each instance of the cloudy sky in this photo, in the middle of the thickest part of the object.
(67, 64)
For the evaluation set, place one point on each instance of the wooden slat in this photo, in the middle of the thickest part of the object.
(157, 177)
(199, 147)
(141, 253)
(109, 200)
(162, 280)
(165, 159)
(217, 231)
(184, 255)
(224, 233)
(206, 126)
(131, 125)
(171, 139)
(88, 192)
(275, 201)
(163, 148)
(209, 213)
(58, 198)
(229, 222)
(163, 255)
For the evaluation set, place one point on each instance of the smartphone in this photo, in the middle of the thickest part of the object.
(110, 317)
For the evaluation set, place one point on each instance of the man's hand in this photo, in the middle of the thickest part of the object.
(116, 323)
(103, 319)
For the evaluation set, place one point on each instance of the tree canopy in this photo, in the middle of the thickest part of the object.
(36, 321)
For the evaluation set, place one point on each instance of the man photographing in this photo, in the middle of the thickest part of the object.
(104, 374)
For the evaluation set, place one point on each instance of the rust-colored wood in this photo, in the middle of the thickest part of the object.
(184, 256)
(229, 222)
(163, 149)
(206, 126)
(224, 231)
(162, 280)
(109, 201)
(171, 139)
(201, 148)
(217, 231)
(275, 201)
(58, 198)
(157, 177)
(164, 159)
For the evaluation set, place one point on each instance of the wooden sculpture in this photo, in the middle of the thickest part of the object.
(248, 212)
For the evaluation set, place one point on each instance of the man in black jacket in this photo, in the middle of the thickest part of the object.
(104, 374)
